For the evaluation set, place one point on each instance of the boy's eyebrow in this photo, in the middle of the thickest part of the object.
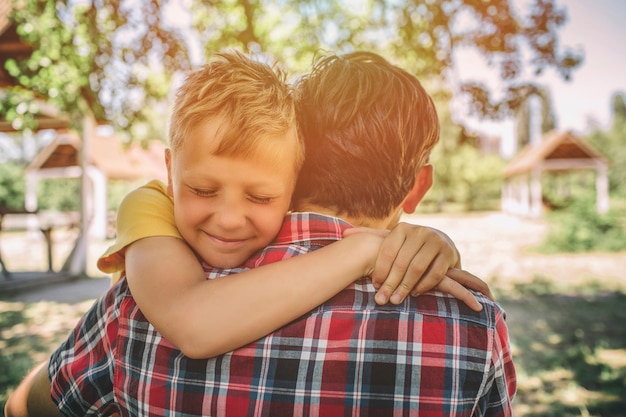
(268, 188)
(200, 180)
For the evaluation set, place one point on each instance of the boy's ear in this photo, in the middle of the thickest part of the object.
(168, 164)
(423, 182)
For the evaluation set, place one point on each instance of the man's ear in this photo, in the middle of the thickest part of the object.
(168, 164)
(423, 182)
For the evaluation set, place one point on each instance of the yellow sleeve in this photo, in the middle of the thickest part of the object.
(144, 212)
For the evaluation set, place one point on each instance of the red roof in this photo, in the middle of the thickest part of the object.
(555, 145)
(108, 153)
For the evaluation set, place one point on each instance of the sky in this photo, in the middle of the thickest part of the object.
(598, 27)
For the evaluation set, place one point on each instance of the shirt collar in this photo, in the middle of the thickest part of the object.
(308, 226)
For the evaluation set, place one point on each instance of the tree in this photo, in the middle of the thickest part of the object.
(422, 36)
(109, 58)
(612, 144)
(524, 116)
(619, 110)
(118, 57)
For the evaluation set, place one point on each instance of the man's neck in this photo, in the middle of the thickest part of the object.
(359, 221)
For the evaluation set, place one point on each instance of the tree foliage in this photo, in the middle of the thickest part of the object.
(117, 57)
(580, 228)
(12, 186)
(422, 36)
(619, 110)
(110, 58)
(464, 174)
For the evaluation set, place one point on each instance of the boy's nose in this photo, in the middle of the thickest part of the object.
(230, 216)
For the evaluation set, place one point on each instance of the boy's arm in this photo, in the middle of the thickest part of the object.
(204, 318)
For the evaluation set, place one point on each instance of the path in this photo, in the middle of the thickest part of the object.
(68, 292)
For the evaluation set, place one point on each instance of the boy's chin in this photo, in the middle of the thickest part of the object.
(227, 261)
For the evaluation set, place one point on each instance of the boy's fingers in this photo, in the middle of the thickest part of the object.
(418, 265)
(394, 259)
(425, 270)
(430, 278)
(384, 293)
(469, 280)
(399, 268)
(388, 255)
(459, 292)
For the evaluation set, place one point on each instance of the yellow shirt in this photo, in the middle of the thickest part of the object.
(144, 212)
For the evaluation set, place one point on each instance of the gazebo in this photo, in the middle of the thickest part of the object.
(100, 157)
(557, 152)
(109, 159)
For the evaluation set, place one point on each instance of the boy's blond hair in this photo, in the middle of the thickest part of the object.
(252, 98)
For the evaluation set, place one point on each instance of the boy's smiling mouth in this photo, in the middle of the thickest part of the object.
(223, 241)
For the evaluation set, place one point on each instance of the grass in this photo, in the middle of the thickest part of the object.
(569, 345)
(569, 349)
(28, 334)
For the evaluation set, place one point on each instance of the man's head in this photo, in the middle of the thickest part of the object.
(368, 128)
(235, 154)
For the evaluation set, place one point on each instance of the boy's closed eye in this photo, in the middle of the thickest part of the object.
(203, 192)
(260, 199)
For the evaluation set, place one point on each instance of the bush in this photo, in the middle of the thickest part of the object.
(466, 178)
(12, 185)
(580, 228)
(59, 194)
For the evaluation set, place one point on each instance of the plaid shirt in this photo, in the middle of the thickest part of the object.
(430, 356)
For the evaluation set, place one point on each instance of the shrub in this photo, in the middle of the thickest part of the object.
(12, 185)
(580, 228)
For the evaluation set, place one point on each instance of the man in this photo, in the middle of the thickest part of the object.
(368, 128)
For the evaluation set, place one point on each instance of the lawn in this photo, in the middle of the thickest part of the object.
(569, 350)
(569, 346)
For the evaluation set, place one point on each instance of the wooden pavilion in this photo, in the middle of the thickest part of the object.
(558, 152)
(99, 157)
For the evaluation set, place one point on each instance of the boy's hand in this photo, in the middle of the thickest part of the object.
(414, 259)
(459, 278)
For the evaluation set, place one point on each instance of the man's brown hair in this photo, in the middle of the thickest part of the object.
(368, 126)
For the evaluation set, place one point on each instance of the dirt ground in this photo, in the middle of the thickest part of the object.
(499, 248)
(494, 246)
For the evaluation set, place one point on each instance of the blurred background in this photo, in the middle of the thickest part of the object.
(530, 168)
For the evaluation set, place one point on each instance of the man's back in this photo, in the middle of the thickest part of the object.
(424, 357)
(428, 356)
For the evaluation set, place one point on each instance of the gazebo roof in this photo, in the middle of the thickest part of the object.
(562, 146)
(108, 153)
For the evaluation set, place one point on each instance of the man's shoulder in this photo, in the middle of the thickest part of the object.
(432, 306)
(445, 306)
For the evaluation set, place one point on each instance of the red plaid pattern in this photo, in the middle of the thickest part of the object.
(430, 356)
